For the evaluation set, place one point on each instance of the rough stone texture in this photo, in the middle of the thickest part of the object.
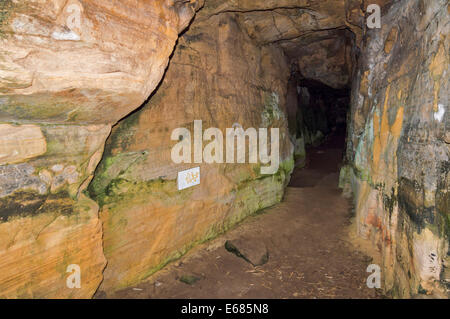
(231, 66)
(18, 143)
(313, 33)
(62, 85)
(227, 79)
(56, 67)
(399, 160)
(35, 252)
(325, 56)
(46, 223)
(321, 110)
(318, 38)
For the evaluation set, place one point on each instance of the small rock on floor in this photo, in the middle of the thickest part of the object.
(189, 279)
(251, 251)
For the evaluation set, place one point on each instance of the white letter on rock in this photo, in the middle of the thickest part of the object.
(374, 20)
(74, 280)
(374, 280)
(181, 152)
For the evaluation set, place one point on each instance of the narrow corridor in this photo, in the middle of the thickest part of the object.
(306, 238)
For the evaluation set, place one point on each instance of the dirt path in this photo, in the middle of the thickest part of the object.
(309, 256)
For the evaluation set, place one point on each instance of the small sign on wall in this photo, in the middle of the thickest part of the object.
(188, 178)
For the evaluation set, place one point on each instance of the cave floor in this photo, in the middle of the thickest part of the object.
(306, 235)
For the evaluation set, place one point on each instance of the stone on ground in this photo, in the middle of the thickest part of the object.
(254, 252)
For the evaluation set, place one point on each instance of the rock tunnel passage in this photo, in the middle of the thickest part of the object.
(92, 91)
(310, 254)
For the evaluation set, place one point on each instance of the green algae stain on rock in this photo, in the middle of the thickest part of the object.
(115, 163)
(288, 166)
(122, 135)
(20, 204)
(122, 192)
(23, 203)
(6, 7)
(271, 111)
(41, 107)
(112, 168)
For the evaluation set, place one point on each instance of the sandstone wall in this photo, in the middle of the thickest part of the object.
(229, 67)
(217, 75)
(398, 146)
(72, 69)
(68, 71)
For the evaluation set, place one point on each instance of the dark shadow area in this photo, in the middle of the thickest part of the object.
(322, 110)
(319, 126)
(320, 161)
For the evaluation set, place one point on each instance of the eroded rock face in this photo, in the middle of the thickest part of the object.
(325, 56)
(217, 75)
(35, 251)
(81, 61)
(397, 150)
(68, 71)
(18, 143)
(232, 66)
(317, 35)
(46, 223)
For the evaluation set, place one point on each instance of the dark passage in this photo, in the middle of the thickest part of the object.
(320, 161)
(305, 238)
(318, 120)
(322, 108)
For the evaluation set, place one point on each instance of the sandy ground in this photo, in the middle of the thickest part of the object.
(307, 237)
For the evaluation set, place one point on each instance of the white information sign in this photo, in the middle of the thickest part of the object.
(188, 178)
